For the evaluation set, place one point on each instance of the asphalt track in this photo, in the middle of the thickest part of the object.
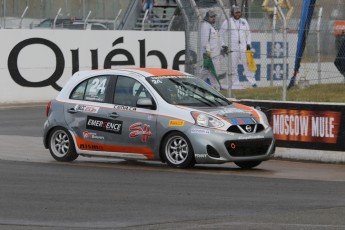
(37, 192)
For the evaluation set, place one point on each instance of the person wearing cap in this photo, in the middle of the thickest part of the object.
(211, 47)
(148, 5)
(240, 42)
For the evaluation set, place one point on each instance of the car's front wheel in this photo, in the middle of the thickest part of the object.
(247, 164)
(178, 151)
(61, 145)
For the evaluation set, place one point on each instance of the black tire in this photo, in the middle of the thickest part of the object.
(247, 164)
(178, 151)
(61, 145)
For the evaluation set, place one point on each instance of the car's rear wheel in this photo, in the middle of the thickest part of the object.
(247, 164)
(61, 145)
(178, 151)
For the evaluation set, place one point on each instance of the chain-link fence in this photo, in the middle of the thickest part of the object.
(323, 40)
(322, 44)
(29, 13)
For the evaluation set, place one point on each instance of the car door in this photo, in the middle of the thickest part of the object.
(85, 113)
(138, 130)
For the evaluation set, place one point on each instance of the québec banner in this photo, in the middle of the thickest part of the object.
(35, 64)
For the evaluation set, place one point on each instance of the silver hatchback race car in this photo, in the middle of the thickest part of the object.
(154, 114)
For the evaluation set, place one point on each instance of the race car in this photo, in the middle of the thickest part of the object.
(154, 114)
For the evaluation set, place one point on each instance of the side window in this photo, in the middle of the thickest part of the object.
(79, 91)
(91, 90)
(128, 90)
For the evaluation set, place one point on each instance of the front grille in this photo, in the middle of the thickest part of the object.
(246, 148)
(248, 128)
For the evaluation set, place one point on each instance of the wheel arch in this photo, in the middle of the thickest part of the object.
(46, 139)
(162, 140)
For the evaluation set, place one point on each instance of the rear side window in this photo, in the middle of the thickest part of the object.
(92, 89)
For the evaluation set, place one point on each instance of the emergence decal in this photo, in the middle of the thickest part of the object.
(104, 125)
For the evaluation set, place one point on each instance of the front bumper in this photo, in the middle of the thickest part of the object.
(215, 146)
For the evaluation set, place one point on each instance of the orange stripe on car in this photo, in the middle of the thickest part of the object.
(161, 72)
(247, 108)
(89, 145)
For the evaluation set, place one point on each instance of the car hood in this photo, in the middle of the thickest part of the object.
(231, 112)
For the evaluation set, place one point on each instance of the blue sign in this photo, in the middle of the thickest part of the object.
(277, 71)
(256, 48)
(278, 51)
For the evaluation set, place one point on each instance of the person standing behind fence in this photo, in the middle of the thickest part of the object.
(211, 47)
(148, 5)
(240, 42)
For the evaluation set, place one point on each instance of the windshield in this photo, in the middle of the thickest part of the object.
(187, 90)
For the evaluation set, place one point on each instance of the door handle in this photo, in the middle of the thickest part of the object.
(72, 110)
(113, 115)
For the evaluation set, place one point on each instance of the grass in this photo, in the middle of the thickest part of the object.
(313, 93)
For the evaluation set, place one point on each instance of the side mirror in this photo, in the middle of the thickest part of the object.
(145, 103)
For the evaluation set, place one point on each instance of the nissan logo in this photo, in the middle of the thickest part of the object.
(248, 128)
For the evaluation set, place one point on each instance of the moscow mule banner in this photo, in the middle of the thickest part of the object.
(305, 125)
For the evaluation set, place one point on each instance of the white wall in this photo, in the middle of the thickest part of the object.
(37, 62)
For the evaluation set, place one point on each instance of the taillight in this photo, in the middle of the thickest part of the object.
(48, 108)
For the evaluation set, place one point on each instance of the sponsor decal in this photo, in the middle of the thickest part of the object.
(88, 135)
(176, 123)
(305, 126)
(87, 108)
(223, 132)
(91, 147)
(104, 125)
(123, 107)
(197, 155)
(200, 131)
(140, 129)
(250, 137)
(229, 110)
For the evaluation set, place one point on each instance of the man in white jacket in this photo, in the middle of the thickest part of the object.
(240, 42)
(211, 46)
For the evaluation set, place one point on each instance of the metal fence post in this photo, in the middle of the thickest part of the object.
(318, 46)
(284, 47)
(199, 60)
(4, 8)
(273, 41)
(229, 69)
(188, 58)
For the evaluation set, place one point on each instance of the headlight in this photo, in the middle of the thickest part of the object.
(206, 120)
(264, 119)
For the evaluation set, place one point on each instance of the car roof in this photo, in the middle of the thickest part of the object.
(144, 72)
